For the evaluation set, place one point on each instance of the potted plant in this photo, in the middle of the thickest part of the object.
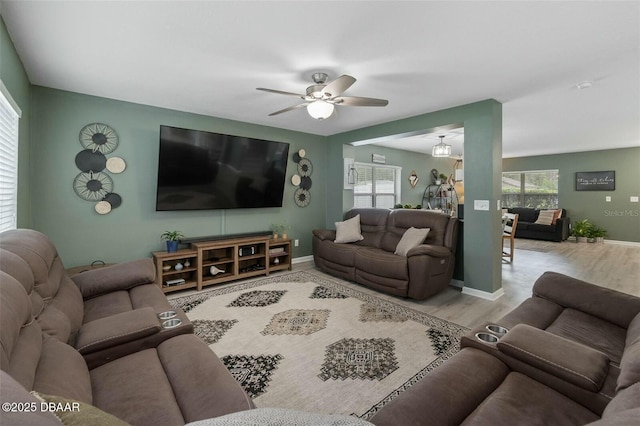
(278, 228)
(581, 230)
(598, 234)
(173, 239)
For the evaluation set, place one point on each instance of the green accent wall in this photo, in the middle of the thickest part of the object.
(421, 163)
(133, 230)
(482, 122)
(620, 217)
(17, 83)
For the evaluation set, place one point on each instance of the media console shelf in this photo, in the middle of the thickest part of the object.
(219, 261)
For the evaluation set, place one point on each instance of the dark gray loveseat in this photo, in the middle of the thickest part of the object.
(426, 270)
(527, 228)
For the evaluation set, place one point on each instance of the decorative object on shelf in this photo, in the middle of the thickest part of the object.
(215, 270)
(305, 168)
(93, 184)
(166, 268)
(276, 261)
(178, 266)
(434, 175)
(413, 178)
(302, 197)
(442, 198)
(295, 180)
(187, 263)
(173, 239)
(279, 228)
(441, 149)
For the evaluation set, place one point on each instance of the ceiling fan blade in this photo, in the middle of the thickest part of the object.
(359, 101)
(338, 86)
(291, 108)
(280, 92)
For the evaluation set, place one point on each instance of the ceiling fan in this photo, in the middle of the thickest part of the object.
(321, 97)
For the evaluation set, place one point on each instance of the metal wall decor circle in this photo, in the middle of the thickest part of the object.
(92, 186)
(99, 137)
(302, 197)
(305, 168)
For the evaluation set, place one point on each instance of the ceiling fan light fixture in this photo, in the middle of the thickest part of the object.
(320, 109)
(441, 149)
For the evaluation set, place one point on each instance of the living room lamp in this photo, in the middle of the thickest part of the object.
(441, 149)
(320, 109)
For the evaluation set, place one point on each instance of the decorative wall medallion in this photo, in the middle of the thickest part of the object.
(305, 182)
(91, 161)
(295, 180)
(305, 168)
(92, 186)
(116, 165)
(99, 137)
(302, 197)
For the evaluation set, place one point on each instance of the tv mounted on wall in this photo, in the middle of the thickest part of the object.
(200, 170)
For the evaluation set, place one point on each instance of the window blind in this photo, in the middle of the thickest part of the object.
(8, 164)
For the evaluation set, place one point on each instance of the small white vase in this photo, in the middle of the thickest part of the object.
(178, 266)
(215, 271)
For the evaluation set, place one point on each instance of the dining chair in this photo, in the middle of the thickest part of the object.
(510, 221)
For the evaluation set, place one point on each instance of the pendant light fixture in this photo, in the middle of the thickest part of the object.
(441, 149)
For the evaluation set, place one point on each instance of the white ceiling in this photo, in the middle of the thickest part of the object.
(208, 57)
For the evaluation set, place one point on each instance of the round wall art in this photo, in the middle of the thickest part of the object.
(305, 168)
(94, 184)
(302, 197)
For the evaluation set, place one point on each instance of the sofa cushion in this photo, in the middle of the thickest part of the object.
(381, 263)
(342, 254)
(630, 363)
(13, 392)
(411, 238)
(546, 217)
(520, 400)
(626, 399)
(373, 223)
(403, 219)
(525, 214)
(536, 227)
(348, 231)
(590, 331)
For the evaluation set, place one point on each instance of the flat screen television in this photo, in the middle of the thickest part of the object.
(200, 170)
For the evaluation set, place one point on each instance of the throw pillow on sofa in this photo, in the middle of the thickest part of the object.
(348, 231)
(546, 217)
(411, 238)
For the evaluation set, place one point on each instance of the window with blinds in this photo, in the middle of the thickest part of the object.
(8, 163)
(376, 186)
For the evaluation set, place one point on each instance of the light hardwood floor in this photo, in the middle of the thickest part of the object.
(614, 266)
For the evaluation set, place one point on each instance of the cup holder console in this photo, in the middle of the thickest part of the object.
(172, 323)
(487, 337)
(167, 315)
(497, 329)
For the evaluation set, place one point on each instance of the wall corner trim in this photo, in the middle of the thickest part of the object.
(483, 294)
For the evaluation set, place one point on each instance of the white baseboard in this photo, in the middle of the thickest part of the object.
(622, 243)
(483, 294)
(456, 283)
(301, 259)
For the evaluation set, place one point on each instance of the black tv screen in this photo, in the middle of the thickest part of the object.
(200, 170)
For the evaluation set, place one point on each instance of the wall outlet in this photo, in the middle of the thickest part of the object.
(296, 243)
(633, 198)
(607, 198)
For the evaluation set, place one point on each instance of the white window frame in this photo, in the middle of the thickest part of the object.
(10, 114)
(397, 178)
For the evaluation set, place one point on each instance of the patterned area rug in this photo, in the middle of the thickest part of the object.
(305, 341)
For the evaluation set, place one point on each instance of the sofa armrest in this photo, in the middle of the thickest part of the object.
(563, 225)
(117, 329)
(121, 276)
(325, 234)
(610, 305)
(429, 250)
(571, 361)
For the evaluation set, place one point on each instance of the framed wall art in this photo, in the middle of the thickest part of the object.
(596, 181)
